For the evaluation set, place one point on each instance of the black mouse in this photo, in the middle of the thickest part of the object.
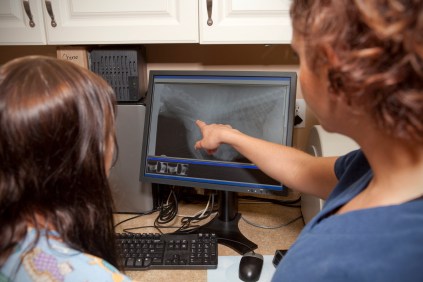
(250, 267)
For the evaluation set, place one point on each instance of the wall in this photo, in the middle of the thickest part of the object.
(203, 57)
(10, 52)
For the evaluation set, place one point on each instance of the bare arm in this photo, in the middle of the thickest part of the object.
(294, 168)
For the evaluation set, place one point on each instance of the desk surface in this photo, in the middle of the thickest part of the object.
(268, 240)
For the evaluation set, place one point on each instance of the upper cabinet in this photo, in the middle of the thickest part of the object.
(82, 22)
(122, 21)
(62, 22)
(21, 23)
(245, 22)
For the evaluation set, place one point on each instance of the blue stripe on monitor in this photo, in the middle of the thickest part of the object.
(219, 182)
(200, 162)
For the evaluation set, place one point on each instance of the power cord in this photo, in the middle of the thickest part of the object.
(167, 211)
(136, 216)
(202, 215)
(270, 227)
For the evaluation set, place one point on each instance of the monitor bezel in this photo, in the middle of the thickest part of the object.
(222, 187)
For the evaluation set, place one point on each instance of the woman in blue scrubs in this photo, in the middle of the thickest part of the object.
(361, 73)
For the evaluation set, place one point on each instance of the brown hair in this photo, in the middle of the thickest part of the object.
(379, 47)
(55, 121)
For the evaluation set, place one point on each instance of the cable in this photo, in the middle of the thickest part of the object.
(129, 229)
(205, 213)
(133, 217)
(270, 227)
(168, 211)
(202, 211)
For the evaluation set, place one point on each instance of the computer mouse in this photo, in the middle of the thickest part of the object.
(250, 267)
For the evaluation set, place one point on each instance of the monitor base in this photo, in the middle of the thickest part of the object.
(228, 234)
(225, 224)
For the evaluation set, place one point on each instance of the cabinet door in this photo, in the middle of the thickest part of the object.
(16, 27)
(245, 21)
(122, 21)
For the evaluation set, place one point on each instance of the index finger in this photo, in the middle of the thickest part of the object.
(200, 123)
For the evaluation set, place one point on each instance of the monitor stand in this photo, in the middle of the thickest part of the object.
(225, 224)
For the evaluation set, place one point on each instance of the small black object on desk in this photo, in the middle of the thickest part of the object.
(250, 267)
(279, 254)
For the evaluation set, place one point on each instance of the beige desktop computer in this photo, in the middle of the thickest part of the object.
(129, 194)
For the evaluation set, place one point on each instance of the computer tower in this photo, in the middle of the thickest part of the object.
(129, 194)
(323, 144)
(124, 68)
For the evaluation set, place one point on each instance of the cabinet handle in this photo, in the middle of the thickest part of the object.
(50, 13)
(28, 12)
(209, 12)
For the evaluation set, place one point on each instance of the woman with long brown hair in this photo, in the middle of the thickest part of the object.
(57, 139)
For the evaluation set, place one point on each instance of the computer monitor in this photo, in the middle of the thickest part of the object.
(260, 104)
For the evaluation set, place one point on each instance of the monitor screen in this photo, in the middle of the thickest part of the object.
(260, 104)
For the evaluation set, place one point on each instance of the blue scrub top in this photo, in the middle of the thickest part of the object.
(375, 244)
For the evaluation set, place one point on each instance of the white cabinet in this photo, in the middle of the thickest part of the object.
(123, 21)
(245, 22)
(60, 22)
(83, 22)
(18, 27)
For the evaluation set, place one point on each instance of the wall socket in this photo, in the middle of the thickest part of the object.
(300, 113)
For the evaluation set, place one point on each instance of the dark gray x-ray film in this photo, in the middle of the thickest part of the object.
(252, 109)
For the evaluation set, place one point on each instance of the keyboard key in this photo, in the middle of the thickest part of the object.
(138, 262)
(147, 262)
(130, 262)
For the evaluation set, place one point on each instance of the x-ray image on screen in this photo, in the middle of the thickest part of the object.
(252, 109)
(260, 104)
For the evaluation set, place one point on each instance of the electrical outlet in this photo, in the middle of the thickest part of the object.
(300, 113)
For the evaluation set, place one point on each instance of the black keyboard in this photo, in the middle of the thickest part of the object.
(171, 251)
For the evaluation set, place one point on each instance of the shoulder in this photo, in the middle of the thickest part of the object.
(52, 260)
(90, 268)
(353, 172)
(353, 163)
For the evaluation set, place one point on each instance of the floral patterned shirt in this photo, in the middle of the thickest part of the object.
(53, 260)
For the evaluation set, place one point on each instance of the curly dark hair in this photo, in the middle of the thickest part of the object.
(56, 121)
(379, 47)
